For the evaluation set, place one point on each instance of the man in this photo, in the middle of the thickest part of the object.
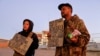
(76, 36)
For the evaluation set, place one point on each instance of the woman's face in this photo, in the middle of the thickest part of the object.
(26, 25)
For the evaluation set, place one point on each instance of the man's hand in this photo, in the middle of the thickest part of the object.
(74, 39)
(49, 35)
(74, 35)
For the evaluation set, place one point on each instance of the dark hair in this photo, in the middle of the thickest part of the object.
(65, 4)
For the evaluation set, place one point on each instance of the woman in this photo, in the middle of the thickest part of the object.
(27, 28)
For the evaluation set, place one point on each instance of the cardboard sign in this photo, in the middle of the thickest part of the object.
(20, 43)
(56, 29)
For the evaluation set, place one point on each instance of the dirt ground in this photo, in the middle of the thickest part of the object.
(39, 52)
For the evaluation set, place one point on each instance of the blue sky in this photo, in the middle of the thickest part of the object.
(13, 12)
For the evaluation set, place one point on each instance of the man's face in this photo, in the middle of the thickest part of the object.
(65, 11)
(26, 25)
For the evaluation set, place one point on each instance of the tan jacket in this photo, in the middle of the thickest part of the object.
(70, 48)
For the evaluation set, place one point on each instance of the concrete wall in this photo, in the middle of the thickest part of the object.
(3, 44)
(93, 49)
(93, 53)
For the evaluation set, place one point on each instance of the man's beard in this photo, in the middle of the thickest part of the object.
(64, 15)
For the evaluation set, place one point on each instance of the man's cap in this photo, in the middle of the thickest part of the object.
(65, 4)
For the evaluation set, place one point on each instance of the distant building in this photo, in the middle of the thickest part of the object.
(43, 39)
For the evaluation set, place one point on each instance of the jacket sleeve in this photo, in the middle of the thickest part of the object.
(84, 38)
(35, 43)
